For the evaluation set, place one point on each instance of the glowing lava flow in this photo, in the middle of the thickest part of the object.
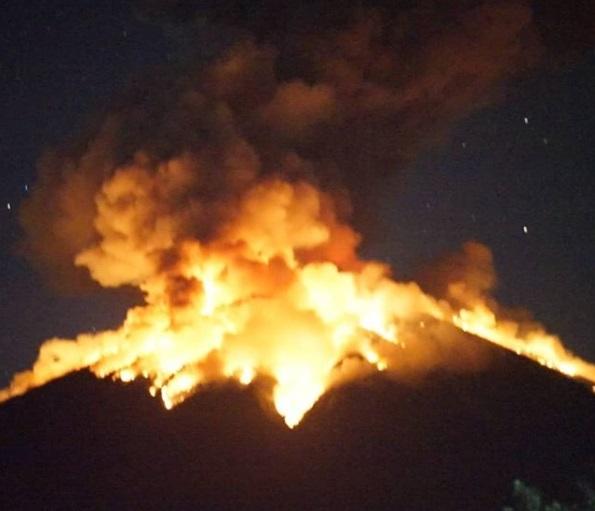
(278, 292)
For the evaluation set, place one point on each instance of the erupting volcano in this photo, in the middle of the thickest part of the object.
(277, 291)
(224, 196)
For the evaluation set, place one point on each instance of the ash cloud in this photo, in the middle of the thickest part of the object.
(345, 98)
(226, 191)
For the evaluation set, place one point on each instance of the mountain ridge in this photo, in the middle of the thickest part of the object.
(446, 441)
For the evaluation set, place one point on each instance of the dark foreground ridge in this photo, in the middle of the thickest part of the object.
(451, 442)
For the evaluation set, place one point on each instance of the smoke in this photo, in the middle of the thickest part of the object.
(343, 98)
(225, 194)
(463, 278)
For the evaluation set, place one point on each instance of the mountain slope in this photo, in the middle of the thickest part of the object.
(450, 441)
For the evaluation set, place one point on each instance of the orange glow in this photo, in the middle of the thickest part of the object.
(278, 292)
(537, 345)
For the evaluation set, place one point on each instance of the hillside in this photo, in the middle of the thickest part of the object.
(448, 442)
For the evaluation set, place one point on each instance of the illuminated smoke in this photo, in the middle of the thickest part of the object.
(223, 196)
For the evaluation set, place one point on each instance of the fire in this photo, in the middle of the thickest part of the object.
(209, 191)
(537, 345)
(277, 292)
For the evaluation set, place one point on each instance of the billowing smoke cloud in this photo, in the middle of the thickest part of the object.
(343, 98)
(224, 194)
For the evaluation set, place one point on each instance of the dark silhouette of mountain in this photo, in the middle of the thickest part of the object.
(448, 442)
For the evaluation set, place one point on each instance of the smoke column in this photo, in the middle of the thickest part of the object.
(232, 195)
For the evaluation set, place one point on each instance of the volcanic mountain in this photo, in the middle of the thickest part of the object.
(447, 441)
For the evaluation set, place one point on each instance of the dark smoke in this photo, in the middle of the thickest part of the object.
(345, 96)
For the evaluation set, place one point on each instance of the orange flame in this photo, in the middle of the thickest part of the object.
(277, 292)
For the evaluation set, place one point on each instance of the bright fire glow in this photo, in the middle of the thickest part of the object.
(537, 345)
(278, 292)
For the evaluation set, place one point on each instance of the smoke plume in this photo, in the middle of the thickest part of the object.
(225, 193)
(342, 98)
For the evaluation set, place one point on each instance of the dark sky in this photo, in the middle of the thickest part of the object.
(518, 176)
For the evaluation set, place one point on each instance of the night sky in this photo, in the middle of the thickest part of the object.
(517, 175)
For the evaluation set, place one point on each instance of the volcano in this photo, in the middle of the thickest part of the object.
(448, 441)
